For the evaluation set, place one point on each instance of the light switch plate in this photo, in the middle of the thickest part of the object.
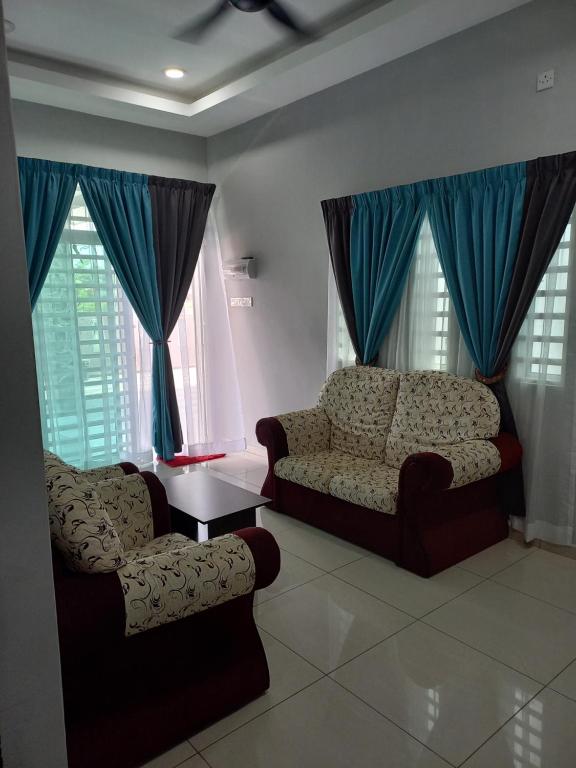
(241, 301)
(545, 80)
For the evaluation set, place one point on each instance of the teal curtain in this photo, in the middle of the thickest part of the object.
(476, 221)
(120, 205)
(46, 192)
(85, 356)
(383, 234)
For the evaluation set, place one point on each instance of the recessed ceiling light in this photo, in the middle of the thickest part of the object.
(9, 26)
(174, 73)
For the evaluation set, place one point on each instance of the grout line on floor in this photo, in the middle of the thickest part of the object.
(504, 724)
(265, 711)
(410, 735)
(286, 591)
(526, 594)
(478, 650)
(530, 551)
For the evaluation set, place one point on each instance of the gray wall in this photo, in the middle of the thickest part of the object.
(462, 104)
(71, 137)
(31, 715)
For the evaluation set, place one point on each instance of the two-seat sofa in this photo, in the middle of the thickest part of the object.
(412, 466)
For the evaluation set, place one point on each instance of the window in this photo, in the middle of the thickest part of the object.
(83, 332)
(427, 325)
(541, 347)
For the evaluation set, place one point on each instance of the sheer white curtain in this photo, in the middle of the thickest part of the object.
(541, 379)
(203, 361)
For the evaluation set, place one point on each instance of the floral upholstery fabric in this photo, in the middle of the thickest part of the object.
(436, 409)
(376, 488)
(60, 476)
(360, 404)
(306, 431)
(176, 584)
(101, 473)
(164, 543)
(316, 471)
(82, 531)
(471, 460)
(128, 504)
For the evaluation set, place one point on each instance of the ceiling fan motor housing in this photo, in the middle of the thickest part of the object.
(250, 6)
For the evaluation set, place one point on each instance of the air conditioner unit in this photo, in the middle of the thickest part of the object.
(243, 269)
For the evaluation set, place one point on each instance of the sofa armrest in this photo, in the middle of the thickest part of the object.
(108, 472)
(306, 431)
(424, 472)
(266, 554)
(510, 450)
(173, 585)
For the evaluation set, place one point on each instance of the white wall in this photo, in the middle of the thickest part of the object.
(465, 103)
(31, 716)
(59, 134)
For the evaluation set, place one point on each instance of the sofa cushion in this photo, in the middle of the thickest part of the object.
(127, 501)
(316, 471)
(376, 488)
(82, 531)
(360, 404)
(435, 409)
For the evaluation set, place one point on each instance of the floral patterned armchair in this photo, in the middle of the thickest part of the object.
(156, 631)
(409, 465)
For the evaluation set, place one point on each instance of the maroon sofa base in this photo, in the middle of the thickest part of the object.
(460, 524)
(129, 699)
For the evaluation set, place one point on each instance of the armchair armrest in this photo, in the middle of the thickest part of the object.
(173, 585)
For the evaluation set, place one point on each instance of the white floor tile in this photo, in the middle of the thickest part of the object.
(174, 757)
(293, 573)
(405, 590)
(319, 548)
(445, 694)
(534, 638)
(329, 622)
(274, 521)
(288, 675)
(321, 727)
(542, 735)
(566, 682)
(546, 576)
(257, 476)
(237, 464)
(195, 762)
(496, 558)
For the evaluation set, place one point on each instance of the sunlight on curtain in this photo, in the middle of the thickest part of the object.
(84, 351)
(94, 359)
(203, 361)
(541, 379)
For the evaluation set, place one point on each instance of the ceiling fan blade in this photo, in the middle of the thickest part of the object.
(193, 32)
(287, 19)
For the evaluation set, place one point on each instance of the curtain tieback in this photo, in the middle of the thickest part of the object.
(161, 342)
(500, 376)
(371, 364)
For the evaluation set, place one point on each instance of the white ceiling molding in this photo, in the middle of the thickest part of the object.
(393, 30)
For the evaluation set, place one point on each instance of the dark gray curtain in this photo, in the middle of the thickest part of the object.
(179, 212)
(549, 201)
(337, 218)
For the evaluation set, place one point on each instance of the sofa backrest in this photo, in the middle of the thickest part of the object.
(360, 404)
(434, 408)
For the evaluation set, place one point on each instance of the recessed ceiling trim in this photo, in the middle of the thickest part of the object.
(397, 28)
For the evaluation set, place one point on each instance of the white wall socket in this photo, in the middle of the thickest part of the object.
(241, 301)
(545, 80)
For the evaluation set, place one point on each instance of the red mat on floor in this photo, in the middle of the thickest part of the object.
(182, 461)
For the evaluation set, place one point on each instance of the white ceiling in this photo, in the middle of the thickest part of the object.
(106, 57)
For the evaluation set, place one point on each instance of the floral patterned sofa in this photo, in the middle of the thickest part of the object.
(409, 465)
(157, 635)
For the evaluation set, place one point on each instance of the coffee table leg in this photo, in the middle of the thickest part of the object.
(245, 519)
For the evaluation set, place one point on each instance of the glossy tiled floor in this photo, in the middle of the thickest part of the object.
(373, 667)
